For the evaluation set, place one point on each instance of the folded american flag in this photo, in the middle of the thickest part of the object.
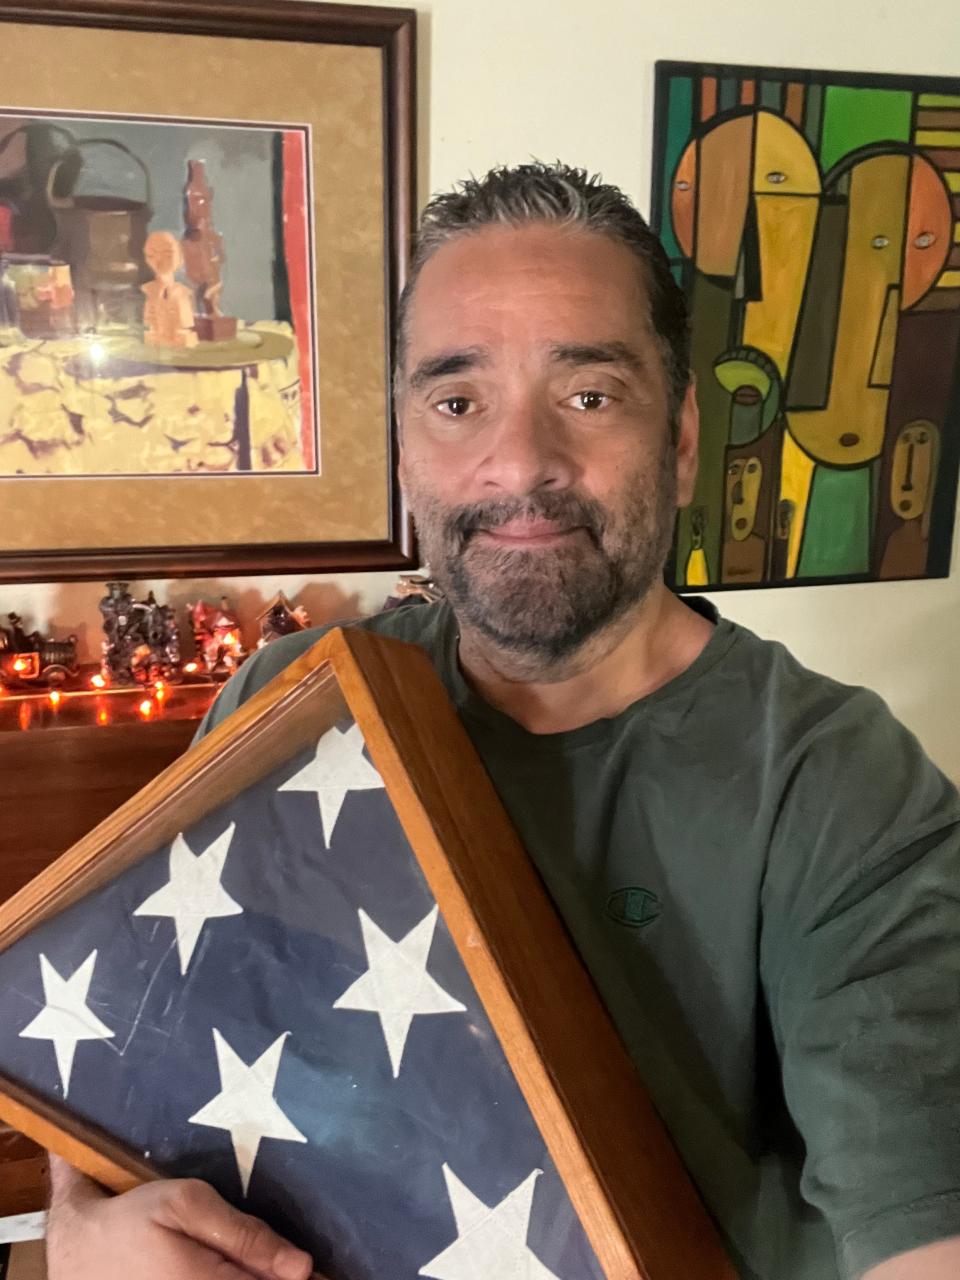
(273, 1003)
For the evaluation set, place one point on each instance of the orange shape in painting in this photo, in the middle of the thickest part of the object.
(929, 231)
(711, 192)
(708, 97)
(724, 195)
(683, 199)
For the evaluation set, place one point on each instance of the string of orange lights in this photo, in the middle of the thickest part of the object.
(97, 703)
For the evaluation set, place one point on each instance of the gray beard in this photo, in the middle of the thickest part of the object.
(543, 605)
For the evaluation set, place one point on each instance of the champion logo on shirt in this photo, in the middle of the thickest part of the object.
(633, 907)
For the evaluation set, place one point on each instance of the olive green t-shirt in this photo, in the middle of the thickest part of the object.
(761, 869)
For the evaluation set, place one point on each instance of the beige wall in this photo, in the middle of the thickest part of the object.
(504, 80)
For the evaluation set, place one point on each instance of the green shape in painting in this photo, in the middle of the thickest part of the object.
(812, 114)
(854, 118)
(678, 133)
(728, 93)
(836, 538)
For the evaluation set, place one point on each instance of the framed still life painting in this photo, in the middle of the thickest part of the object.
(204, 217)
(813, 219)
(312, 964)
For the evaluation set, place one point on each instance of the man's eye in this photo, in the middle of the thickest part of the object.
(589, 400)
(454, 406)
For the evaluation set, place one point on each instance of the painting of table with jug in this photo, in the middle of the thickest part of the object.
(156, 298)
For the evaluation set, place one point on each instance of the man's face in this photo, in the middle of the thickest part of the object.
(537, 454)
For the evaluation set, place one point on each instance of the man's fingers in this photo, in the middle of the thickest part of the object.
(68, 1186)
(198, 1211)
(198, 1260)
(230, 1244)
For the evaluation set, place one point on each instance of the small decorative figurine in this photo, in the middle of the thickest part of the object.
(697, 573)
(31, 659)
(216, 633)
(413, 588)
(168, 312)
(142, 644)
(204, 256)
(281, 618)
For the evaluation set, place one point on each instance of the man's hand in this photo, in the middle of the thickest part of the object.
(176, 1230)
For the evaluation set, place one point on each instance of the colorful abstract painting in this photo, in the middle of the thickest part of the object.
(813, 220)
(156, 297)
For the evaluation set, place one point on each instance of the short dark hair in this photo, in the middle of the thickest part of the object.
(569, 197)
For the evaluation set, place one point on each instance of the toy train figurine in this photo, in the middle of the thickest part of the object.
(27, 660)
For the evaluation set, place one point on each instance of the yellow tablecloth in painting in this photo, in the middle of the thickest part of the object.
(109, 405)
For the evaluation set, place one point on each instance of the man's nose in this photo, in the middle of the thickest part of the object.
(530, 450)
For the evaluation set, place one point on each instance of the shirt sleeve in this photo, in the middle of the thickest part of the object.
(860, 961)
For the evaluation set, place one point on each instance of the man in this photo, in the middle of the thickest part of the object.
(790, 989)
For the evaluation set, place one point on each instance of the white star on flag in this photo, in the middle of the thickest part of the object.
(193, 894)
(66, 1019)
(245, 1106)
(396, 985)
(338, 766)
(491, 1244)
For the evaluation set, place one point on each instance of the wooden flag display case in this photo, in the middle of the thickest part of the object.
(312, 963)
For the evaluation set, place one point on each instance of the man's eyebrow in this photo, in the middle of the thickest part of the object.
(575, 353)
(447, 363)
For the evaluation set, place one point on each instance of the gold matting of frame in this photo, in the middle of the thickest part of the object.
(337, 90)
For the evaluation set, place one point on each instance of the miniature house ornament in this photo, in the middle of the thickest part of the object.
(281, 618)
(141, 643)
(218, 637)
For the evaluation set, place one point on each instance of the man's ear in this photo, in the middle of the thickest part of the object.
(688, 445)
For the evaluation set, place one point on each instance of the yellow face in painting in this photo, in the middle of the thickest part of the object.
(744, 478)
(913, 470)
(897, 238)
(786, 186)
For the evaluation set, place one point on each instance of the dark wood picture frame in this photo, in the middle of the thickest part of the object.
(391, 31)
(623, 1176)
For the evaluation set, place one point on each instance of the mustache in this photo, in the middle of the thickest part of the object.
(562, 508)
